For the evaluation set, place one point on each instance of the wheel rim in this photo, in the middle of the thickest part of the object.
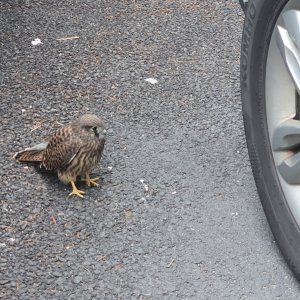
(283, 102)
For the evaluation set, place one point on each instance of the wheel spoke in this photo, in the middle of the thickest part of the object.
(289, 169)
(286, 136)
(288, 41)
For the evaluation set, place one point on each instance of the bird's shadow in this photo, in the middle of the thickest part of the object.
(50, 179)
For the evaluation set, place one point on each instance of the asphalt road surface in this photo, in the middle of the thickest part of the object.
(177, 215)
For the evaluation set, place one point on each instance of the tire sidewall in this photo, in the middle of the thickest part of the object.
(259, 24)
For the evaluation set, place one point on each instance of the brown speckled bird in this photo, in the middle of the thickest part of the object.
(71, 151)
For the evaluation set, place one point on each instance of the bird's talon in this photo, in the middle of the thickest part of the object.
(76, 191)
(91, 181)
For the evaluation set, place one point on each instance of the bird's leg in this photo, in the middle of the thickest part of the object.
(76, 191)
(90, 181)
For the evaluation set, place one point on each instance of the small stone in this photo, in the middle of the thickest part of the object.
(4, 281)
(60, 281)
(142, 200)
(56, 274)
(36, 210)
(23, 226)
(11, 240)
(77, 279)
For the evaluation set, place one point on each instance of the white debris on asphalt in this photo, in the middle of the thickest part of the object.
(68, 38)
(151, 80)
(12, 240)
(173, 193)
(235, 214)
(146, 187)
(109, 168)
(36, 42)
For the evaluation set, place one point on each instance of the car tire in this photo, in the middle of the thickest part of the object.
(261, 21)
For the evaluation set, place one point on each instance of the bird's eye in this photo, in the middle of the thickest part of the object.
(95, 130)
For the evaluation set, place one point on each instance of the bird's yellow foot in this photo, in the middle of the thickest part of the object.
(76, 191)
(91, 181)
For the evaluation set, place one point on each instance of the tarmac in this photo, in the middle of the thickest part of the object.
(176, 215)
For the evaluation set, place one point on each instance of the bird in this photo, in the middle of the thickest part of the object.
(71, 151)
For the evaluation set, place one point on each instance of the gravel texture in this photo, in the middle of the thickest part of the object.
(177, 215)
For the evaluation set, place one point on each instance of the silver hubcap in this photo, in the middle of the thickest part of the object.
(283, 102)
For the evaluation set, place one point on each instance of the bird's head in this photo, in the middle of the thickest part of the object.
(93, 125)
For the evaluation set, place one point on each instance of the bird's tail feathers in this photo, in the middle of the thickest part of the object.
(33, 154)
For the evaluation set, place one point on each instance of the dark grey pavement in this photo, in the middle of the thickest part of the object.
(177, 215)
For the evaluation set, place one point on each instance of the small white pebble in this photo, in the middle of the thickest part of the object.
(146, 187)
(173, 193)
(109, 168)
(23, 110)
(151, 80)
(142, 180)
(36, 42)
(26, 167)
(235, 214)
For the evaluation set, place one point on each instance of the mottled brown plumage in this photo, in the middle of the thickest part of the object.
(71, 151)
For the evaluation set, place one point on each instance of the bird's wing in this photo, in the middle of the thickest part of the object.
(62, 148)
(33, 154)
